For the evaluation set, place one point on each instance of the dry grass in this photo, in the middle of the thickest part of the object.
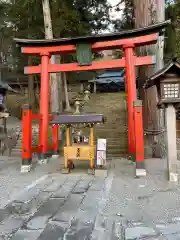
(15, 103)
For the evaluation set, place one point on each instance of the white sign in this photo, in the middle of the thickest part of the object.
(101, 144)
(101, 158)
(86, 139)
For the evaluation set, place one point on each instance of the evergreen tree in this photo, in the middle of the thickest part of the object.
(24, 18)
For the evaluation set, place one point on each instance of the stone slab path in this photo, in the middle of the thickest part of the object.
(51, 206)
(59, 207)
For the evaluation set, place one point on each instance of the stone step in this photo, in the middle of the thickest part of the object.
(119, 115)
(116, 139)
(110, 135)
(117, 156)
(113, 125)
(122, 130)
(115, 151)
(102, 103)
(120, 94)
(16, 153)
(17, 148)
(101, 109)
(116, 129)
(117, 145)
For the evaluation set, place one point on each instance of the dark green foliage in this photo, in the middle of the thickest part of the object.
(24, 19)
(127, 21)
(170, 39)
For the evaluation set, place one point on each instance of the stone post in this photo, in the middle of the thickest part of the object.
(172, 162)
(139, 138)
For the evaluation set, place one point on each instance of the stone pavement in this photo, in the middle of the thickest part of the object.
(83, 207)
(12, 182)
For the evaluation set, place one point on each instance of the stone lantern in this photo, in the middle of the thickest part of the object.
(4, 114)
(167, 82)
(86, 95)
(78, 104)
(76, 131)
(168, 90)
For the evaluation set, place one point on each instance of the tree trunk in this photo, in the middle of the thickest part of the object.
(60, 86)
(68, 107)
(145, 14)
(160, 10)
(31, 92)
(54, 93)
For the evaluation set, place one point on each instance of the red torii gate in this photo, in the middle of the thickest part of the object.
(127, 40)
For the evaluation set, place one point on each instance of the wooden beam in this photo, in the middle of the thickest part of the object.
(96, 65)
(98, 46)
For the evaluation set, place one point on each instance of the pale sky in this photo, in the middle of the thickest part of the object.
(115, 14)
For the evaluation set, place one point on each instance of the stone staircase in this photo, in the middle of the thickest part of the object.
(114, 108)
(17, 150)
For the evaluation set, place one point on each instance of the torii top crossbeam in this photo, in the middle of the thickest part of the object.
(149, 30)
(137, 37)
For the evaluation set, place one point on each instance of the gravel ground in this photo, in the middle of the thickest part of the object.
(12, 181)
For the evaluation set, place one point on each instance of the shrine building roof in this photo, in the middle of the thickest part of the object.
(173, 66)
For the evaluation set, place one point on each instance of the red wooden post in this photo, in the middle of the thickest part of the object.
(55, 138)
(139, 138)
(26, 138)
(44, 104)
(131, 93)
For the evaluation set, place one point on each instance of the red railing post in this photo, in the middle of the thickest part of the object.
(55, 138)
(131, 93)
(139, 138)
(26, 138)
(44, 105)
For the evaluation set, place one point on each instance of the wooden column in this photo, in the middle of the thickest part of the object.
(131, 93)
(26, 138)
(44, 104)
